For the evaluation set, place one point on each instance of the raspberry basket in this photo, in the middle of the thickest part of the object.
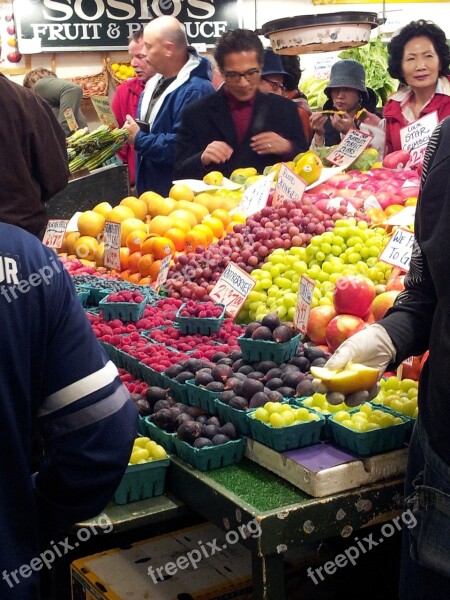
(206, 326)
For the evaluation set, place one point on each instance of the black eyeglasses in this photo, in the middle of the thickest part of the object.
(276, 87)
(250, 75)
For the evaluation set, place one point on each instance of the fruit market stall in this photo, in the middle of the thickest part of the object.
(244, 411)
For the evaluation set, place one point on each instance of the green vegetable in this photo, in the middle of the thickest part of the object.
(313, 90)
(374, 58)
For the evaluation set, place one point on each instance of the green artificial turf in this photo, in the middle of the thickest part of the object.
(257, 486)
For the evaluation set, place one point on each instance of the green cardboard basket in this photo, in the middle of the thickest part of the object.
(142, 481)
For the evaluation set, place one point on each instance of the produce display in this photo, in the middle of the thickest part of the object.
(90, 150)
(203, 382)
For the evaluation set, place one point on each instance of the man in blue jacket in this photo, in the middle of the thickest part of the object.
(53, 376)
(182, 76)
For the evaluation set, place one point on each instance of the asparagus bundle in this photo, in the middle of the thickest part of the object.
(90, 150)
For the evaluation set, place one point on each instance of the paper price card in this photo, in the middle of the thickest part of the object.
(304, 299)
(255, 196)
(398, 250)
(55, 232)
(353, 144)
(112, 245)
(232, 289)
(70, 119)
(289, 186)
(414, 137)
(104, 112)
(163, 272)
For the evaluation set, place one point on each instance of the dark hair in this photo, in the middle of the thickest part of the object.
(32, 76)
(137, 35)
(238, 40)
(414, 29)
(291, 64)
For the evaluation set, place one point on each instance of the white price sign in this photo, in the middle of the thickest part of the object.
(163, 272)
(112, 245)
(414, 137)
(353, 144)
(289, 186)
(232, 289)
(304, 299)
(255, 196)
(398, 250)
(55, 232)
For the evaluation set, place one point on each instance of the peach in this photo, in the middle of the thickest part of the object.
(382, 303)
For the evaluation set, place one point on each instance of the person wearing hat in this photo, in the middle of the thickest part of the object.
(347, 95)
(275, 79)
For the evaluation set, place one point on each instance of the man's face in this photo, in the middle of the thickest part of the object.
(242, 74)
(156, 52)
(139, 60)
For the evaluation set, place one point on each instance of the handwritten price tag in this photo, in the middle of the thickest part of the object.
(55, 232)
(304, 299)
(414, 137)
(232, 289)
(353, 144)
(163, 272)
(70, 119)
(112, 245)
(398, 250)
(255, 196)
(289, 186)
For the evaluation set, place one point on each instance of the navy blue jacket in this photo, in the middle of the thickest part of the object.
(54, 375)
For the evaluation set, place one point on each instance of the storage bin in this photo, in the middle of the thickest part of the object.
(211, 457)
(233, 415)
(258, 350)
(125, 311)
(189, 325)
(200, 396)
(142, 481)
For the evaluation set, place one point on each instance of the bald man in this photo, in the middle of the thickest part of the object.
(182, 76)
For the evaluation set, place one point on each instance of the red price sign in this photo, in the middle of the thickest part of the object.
(232, 289)
(304, 299)
(55, 232)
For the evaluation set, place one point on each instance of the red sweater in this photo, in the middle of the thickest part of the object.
(125, 102)
(395, 120)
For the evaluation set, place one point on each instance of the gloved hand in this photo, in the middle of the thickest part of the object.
(371, 346)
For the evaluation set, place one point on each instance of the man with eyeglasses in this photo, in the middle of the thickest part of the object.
(238, 126)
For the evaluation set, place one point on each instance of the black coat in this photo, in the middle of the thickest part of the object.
(209, 120)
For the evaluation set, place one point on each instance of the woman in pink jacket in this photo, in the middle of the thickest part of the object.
(419, 58)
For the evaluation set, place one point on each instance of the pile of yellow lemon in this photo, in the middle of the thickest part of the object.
(123, 70)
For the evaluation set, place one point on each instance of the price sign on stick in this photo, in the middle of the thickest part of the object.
(232, 289)
(70, 119)
(304, 298)
(398, 250)
(414, 137)
(112, 245)
(255, 196)
(289, 186)
(55, 232)
(353, 144)
(163, 272)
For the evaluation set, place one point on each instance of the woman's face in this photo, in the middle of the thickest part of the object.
(420, 63)
(345, 98)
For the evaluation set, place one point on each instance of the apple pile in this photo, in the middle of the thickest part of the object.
(380, 187)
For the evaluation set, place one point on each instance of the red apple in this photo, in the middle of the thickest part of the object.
(396, 160)
(382, 303)
(342, 327)
(353, 295)
(14, 57)
(413, 371)
(319, 317)
(396, 283)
